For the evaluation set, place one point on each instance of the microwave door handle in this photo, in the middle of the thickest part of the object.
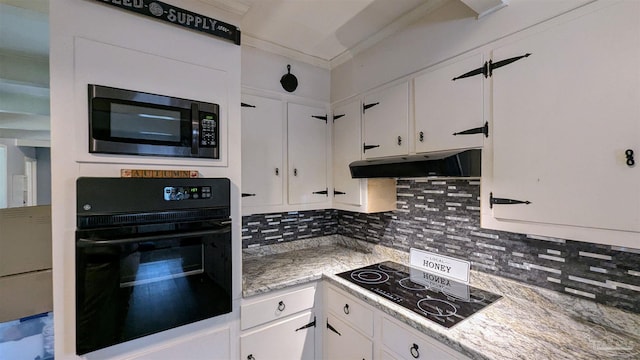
(195, 128)
(91, 243)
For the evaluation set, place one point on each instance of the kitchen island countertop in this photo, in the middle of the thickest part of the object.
(527, 323)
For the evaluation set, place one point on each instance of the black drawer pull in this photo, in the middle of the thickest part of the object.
(421, 136)
(250, 357)
(281, 306)
(414, 351)
(629, 155)
(346, 309)
(247, 194)
(399, 140)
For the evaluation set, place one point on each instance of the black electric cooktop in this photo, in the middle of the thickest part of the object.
(441, 300)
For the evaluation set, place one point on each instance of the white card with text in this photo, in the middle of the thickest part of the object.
(442, 265)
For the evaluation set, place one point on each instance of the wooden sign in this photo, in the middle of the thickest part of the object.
(178, 16)
(140, 173)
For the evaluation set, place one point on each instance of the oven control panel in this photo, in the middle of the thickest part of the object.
(179, 193)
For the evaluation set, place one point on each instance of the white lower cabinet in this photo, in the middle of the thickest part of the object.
(344, 342)
(355, 330)
(279, 325)
(211, 345)
(287, 339)
(406, 343)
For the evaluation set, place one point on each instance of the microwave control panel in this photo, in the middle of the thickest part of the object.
(208, 129)
(179, 193)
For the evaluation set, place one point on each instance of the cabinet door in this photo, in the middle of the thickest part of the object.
(307, 139)
(214, 345)
(262, 151)
(347, 147)
(406, 344)
(386, 122)
(563, 119)
(445, 109)
(288, 339)
(343, 342)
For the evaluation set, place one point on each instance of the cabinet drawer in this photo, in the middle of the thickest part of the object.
(407, 344)
(287, 339)
(350, 311)
(276, 307)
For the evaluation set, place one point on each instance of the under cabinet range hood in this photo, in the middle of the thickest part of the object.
(449, 164)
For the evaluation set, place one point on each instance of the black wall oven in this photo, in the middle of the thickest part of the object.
(151, 255)
(133, 122)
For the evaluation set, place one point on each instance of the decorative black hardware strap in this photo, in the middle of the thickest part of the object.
(320, 117)
(332, 328)
(368, 147)
(311, 324)
(180, 17)
(336, 117)
(247, 105)
(368, 106)
(479, 130)
(488, 67)
(322, 192)
(335, 192)
(247, 194)
(502, 201)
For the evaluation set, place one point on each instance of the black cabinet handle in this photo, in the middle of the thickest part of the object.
(502, 201)
(629, 155)
(247, 194)
(320, 117)
(250, 357)
(421, 136)
(368, 106)
(336, 117)
(295, 172)
(479, 130)
(399, 140)
(277, 171)
(281, 306)
(414, 351)
(368, 147)
(250, 106)
(335, 192)
(332, 328)
(346, 309)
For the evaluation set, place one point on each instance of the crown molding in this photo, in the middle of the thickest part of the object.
(248, 40)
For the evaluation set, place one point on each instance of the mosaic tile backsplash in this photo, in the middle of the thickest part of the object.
(444, 216)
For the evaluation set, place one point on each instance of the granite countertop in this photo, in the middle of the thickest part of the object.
(527, 323)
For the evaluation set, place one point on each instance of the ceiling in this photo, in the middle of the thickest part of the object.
(322, 29)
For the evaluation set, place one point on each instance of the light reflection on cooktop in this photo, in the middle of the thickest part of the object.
(441, 300)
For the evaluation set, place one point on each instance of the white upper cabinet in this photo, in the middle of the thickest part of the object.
(347, 148)
(448, 112)
(262, 151)
(565, 132)
(307, 140)
(386, 122)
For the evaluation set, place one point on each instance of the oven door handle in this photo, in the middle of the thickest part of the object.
(90, 243)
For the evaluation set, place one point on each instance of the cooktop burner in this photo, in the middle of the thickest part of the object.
(441, 300)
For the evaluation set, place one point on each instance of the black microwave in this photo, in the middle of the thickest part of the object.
(139, 123)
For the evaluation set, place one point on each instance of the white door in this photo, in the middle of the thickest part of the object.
(386, 122)
(262, 151)
(563, 119)
(449, 113)
(288, 339)
(343, 342)
(307, 140)
(347, 147)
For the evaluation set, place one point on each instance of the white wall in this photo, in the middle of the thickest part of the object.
(93, 42)
(262, 70)
(450, 30)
